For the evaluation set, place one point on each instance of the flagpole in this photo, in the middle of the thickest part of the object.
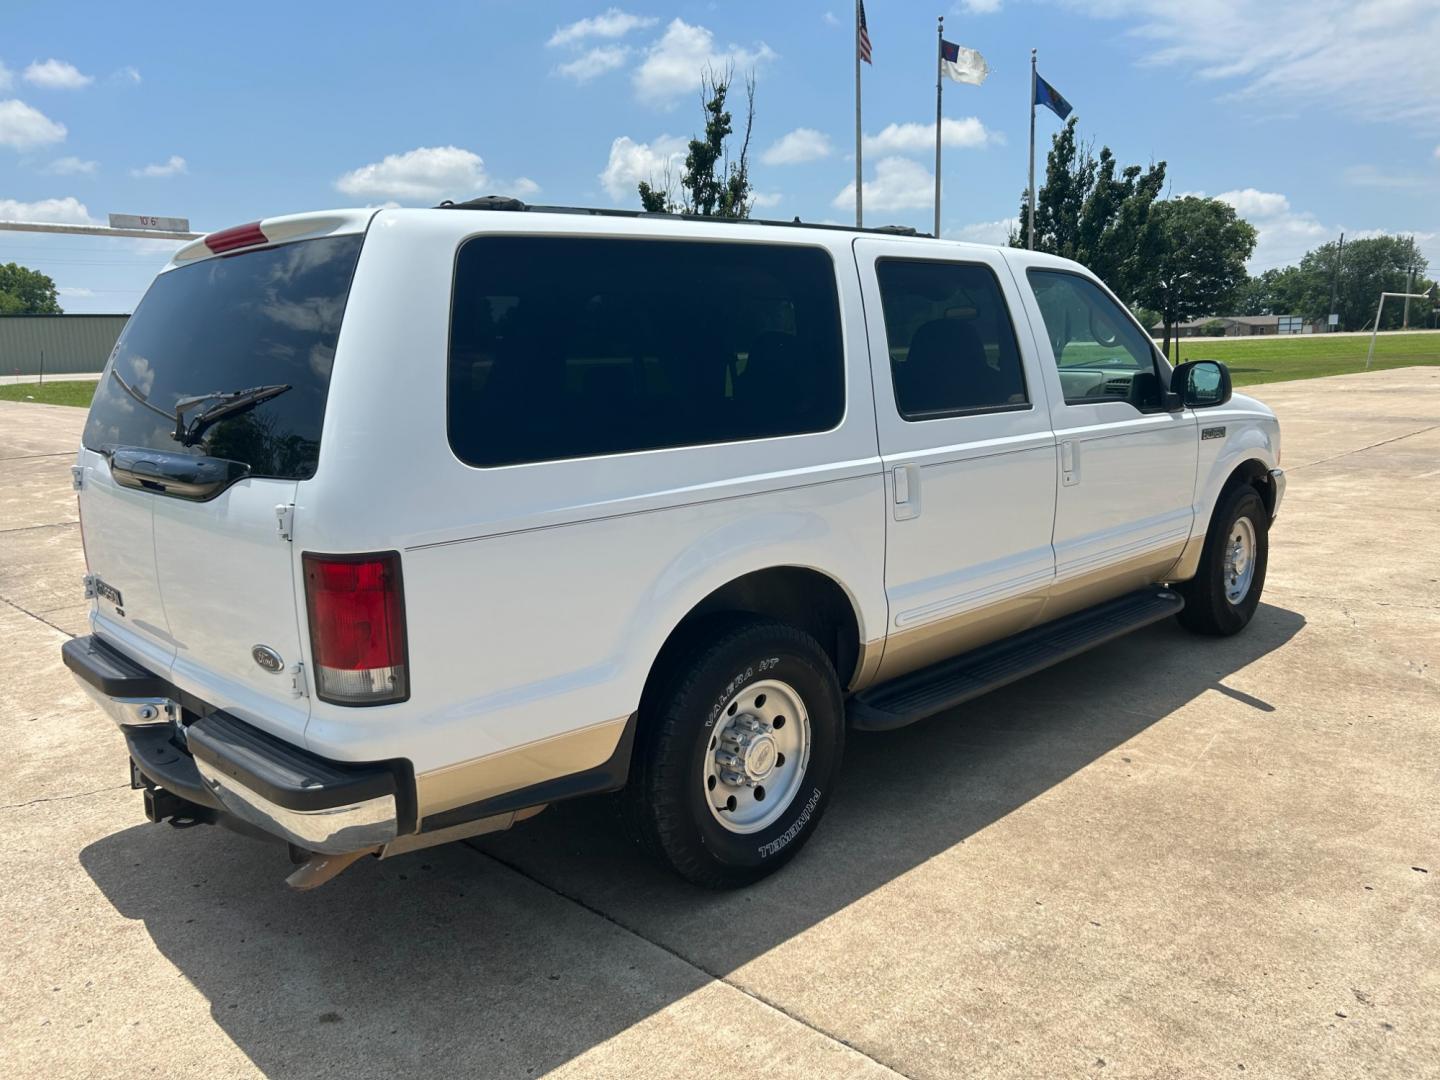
(1031, 243)
(859, 190)
(939, 70)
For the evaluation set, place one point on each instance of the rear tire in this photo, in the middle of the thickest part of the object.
(1221, 598)
(739, 748)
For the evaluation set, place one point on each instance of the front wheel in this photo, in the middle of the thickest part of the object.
(1222, 597)
(739, 749)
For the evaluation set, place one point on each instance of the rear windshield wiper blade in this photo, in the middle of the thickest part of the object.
(227, 403)
(138, 396)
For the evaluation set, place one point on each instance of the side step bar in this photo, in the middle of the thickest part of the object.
(952, 682)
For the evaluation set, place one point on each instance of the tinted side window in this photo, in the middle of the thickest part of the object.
(952, 344)
(1100, 351)
(572, 347)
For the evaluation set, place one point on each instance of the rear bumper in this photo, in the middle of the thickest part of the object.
(213, 760)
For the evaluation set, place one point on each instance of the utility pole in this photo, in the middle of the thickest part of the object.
(1409, 284)
(1335, 286)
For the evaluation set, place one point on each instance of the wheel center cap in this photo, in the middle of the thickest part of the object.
(760, 757)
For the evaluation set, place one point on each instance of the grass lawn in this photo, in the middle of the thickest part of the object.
(70, 392)
(1272, 359)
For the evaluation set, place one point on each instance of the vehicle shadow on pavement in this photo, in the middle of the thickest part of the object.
(448, 962)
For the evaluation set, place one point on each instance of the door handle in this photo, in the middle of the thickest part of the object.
(906, 488)
(1070, 463)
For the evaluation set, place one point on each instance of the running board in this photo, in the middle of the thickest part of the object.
(952, 682)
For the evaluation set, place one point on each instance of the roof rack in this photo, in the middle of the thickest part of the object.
(506, 203)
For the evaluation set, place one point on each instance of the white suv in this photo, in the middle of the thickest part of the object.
(403, 524)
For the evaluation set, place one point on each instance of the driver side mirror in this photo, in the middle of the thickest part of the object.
(1201, 384)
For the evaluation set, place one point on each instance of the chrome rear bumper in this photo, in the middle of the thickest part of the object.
(216, 761)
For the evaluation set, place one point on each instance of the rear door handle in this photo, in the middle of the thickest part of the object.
(1070, 463)
(906, 488)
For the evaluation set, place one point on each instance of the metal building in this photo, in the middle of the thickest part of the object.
(63, 344)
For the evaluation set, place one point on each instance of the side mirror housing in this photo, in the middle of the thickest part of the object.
(1201, 384)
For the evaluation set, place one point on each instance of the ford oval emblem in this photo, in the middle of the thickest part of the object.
(267, 658)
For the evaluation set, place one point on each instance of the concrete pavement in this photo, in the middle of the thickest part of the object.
(1171, 857)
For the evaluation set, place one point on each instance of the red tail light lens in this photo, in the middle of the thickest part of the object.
(238, 237)
(357, 627)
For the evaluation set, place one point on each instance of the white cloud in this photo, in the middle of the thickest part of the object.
(173, 166)
(1249, 202)
(899, 184)
(424, 174)
(911, 138)
(1437, 153)
(66, 211)
(1372, 176)
(22, 127)
(128, 74)
(71, 166)
(1371, 58)
(981, 7)
(985, 232)
(831, 19)
(74, 292)
(1284, 234)
(630, 162)
(56, 75)
(765, 200)
(7, 77)
(427, 174)
(797, 147)
(673, 64)
(612, 23)
(594, 62)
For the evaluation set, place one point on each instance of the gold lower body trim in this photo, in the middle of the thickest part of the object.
(508, 770)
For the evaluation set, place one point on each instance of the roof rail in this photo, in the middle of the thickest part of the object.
(507, 203)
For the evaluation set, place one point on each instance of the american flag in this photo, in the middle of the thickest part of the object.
(862, 38)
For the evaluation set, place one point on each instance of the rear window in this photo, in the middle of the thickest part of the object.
(266, 318)
(567, 348)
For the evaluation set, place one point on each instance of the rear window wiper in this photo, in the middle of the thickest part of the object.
(226, 403)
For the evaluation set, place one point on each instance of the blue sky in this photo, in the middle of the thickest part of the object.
(1311, 117)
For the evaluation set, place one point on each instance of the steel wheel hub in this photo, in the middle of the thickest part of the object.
(759, 750)
(1239, 560)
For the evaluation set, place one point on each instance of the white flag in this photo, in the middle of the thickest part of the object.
(962, 64)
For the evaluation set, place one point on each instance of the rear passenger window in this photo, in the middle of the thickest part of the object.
(569, 347)
(952, 344)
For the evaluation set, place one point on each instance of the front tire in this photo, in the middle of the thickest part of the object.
(740, 745)
(1222, 597)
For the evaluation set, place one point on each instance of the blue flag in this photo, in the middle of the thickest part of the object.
(1047, 95)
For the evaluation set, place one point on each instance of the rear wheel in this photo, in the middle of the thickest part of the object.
(740, 743)
(1222, 597)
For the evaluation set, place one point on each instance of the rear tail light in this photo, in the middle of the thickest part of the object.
(357, 627)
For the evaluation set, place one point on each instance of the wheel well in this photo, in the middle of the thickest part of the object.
(805, 599)
(1255, 474)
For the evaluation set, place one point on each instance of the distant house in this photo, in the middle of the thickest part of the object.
(57, 344)
(1238, 326)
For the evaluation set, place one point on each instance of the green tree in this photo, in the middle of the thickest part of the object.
(1199, 259)
(27, 292)
(1279, 291)
(1087, 213)
(712, 185)
(1367, 268)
